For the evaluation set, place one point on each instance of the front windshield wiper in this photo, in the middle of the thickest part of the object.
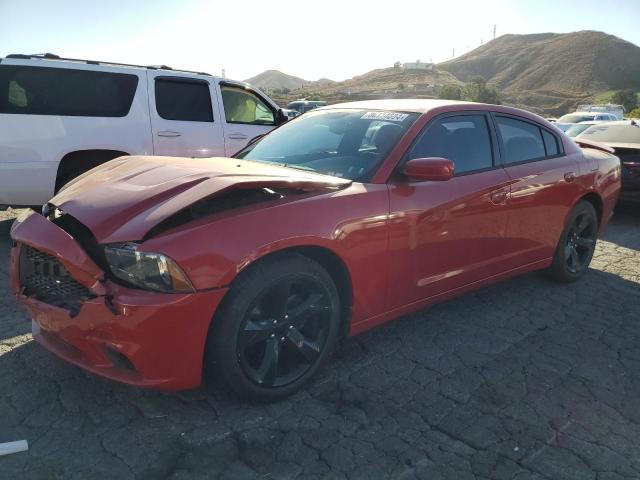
(298, 167)
(284, 164)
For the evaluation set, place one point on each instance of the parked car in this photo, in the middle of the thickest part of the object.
(61, 117)
(624, 137)
(160, 271)
(302, 106)
(578, 128)
(615, 109)
(565, 121)
(290, 113)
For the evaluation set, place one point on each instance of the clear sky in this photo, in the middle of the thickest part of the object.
(311, 39)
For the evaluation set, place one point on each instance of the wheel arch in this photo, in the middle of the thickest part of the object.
(340, 274)
(78, 162)
(594, 199)
(331, 261)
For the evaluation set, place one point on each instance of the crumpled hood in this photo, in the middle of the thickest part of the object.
(124, 198)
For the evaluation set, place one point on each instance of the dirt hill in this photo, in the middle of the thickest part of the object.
(548, 73)
(276, 80)
(552, 72)
(380, 83)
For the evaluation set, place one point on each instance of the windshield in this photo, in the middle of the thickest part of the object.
(573, 118)
(343, 142)
(576, 129)
(607, 133)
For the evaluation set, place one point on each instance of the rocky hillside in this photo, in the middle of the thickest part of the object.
(547, 72)
(380, 83)
(552, 72)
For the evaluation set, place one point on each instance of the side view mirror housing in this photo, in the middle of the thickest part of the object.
(434, 169)
(281, 117)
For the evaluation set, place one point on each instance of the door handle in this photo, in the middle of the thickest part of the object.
(569, 177)
(237, 136)
(498, 197)
(168, 133)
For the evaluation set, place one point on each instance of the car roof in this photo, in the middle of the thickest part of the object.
(617, 122)
(417, 105)
(423, 105)
(609, 125)
(51, 60)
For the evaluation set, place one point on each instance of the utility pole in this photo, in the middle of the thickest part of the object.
(453, 54)
(494, 32)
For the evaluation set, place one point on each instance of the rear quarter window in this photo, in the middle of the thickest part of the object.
(550, 143)
(31, 90)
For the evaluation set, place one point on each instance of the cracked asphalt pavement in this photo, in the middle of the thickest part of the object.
(526, 379)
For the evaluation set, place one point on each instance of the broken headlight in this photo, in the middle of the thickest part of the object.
(147, 270)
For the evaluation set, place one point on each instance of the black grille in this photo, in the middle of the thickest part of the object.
(44, 278)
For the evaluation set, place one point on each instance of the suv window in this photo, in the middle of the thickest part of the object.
(463, 139)
(243, 106)
(183, 99)
(32, 90)
(522, 140)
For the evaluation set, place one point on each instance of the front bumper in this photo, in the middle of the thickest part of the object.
(142, 338)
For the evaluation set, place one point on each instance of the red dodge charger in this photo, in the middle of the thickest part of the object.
(160, 271)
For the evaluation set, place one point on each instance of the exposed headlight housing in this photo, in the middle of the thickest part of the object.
(147, 270)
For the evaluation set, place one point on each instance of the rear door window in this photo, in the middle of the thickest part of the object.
(32, 90)
(522, 141)
(183, 99)
(463, 139)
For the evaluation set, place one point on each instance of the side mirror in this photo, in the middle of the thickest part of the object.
(433, 169)
(281, 117)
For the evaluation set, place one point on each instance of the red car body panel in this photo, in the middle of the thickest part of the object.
(404, 244)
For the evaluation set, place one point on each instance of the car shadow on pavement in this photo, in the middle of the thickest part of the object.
(624, 227)
(526, 378)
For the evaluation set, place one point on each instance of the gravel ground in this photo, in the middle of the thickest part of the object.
(526, 379)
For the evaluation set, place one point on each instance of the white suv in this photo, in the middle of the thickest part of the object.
(61, 117)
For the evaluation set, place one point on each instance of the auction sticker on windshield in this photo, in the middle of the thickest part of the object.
(389, 116)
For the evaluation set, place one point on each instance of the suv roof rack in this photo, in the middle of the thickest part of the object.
(51, 56)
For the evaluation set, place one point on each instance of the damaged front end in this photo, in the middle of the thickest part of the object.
(100, 299)
(50, 266)
(141, 337)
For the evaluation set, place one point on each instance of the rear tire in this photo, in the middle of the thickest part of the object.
(276, 327)
(576, 245)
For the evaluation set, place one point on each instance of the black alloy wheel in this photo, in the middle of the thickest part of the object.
(284, 331)
(576, 245)
(276, 327)
(581, 241)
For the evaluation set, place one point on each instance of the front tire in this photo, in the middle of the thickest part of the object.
(576, 245)
(277, 326)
